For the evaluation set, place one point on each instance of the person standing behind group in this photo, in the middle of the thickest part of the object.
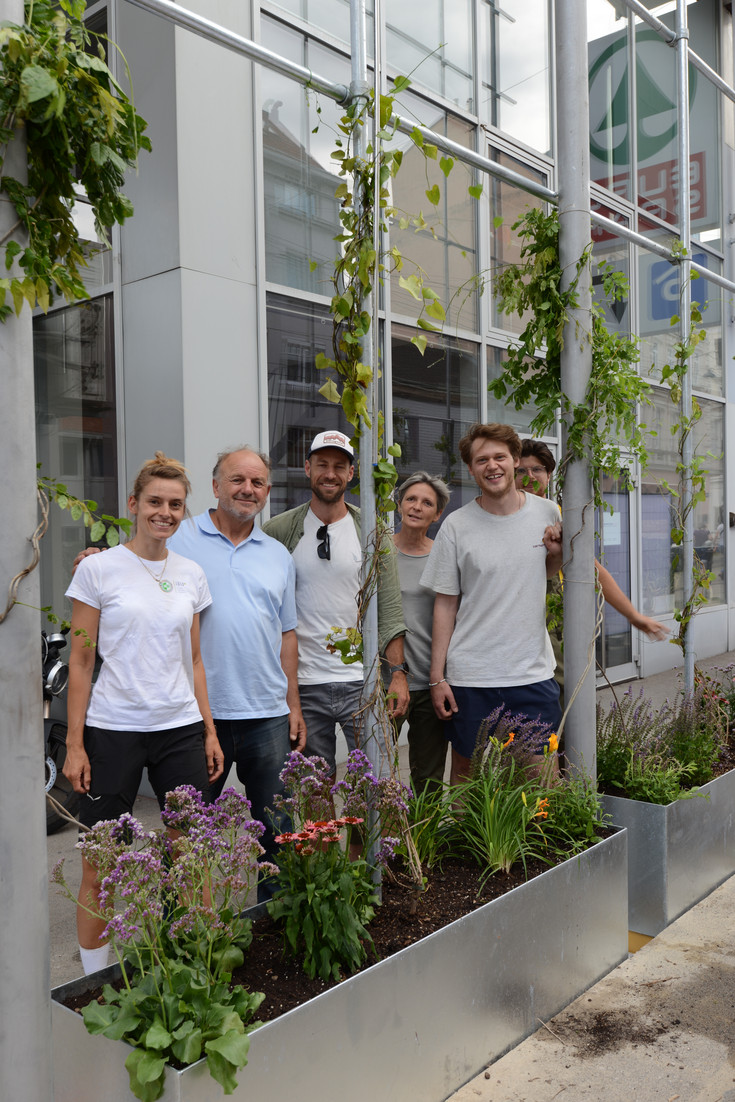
(149, 706)
(421, 501)
(534, 473)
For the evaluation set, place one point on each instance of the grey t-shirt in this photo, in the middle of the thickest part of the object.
(497, 564)
(418, 613)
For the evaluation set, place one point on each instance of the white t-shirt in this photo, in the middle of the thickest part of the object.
(146, 682)
(498, 566)
(326, 597)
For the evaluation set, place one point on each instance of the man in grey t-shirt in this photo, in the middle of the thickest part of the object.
(488, 569)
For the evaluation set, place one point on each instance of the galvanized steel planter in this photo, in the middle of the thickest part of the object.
(677, 853)
(417, 1025)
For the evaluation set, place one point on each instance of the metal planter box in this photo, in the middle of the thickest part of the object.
(418, 1024)
(677, 853)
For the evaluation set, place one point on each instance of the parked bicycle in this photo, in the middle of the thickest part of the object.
(55, 674)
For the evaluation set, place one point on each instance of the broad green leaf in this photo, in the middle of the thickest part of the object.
(37, 83)
(419, 340)
(330, 392)
(157, 1037)
(446, 164)
(433, 194)
(412, 285)
(475, 190)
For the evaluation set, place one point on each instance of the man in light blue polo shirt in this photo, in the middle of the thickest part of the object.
(248, 635)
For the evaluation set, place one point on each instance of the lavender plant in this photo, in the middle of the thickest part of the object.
(658, 754)
(172, 912)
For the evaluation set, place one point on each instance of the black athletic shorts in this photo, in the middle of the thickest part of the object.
(117, 760)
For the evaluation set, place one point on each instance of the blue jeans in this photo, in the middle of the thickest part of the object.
(324, 706)
(258, 748)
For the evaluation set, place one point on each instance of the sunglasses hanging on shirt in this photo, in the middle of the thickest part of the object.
(322, 549)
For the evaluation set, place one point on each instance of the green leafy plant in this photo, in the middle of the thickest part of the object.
(575, 814)
(691, 488)
(322, 899)
(657, 754)
(498, 813)
(604, 428)
(172, 914)
(82, 133)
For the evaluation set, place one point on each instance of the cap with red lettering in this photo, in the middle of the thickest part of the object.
(332, 438)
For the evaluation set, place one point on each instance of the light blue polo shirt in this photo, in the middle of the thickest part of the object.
(253, 603)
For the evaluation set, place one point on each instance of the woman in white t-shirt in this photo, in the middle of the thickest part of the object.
(421, 501)
(138, 605)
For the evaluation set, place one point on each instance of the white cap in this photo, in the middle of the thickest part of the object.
(332, 438)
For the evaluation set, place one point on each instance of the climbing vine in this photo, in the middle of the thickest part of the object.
(82, 133)
(691, 475)
(604, 428)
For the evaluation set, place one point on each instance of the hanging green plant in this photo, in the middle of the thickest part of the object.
(604, 428)
(82, 133)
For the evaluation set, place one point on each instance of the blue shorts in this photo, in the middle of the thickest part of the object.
(538, 701)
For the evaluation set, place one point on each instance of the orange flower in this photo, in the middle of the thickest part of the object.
(553, 744)
(510, 738)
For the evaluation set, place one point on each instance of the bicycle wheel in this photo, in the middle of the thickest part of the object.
(60, 789)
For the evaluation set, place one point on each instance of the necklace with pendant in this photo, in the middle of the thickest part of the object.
(163, 584)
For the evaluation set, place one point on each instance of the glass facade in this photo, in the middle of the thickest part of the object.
(482, 74)
(489, 86)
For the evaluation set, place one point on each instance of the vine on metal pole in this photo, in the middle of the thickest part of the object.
(690, 475)
(604, 428)
(82, 132)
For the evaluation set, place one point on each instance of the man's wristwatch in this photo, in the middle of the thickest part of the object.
(402, 667)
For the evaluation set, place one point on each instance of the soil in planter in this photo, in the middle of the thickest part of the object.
(451, 893)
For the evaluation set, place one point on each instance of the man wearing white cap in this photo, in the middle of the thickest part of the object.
(324, 538)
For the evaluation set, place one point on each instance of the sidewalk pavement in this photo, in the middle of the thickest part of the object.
(659, 1027)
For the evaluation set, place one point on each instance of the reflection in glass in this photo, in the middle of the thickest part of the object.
(508, 203)
(662, 561)
(444, 252)
(515, 84)
(609, 89)
(505, 411)
(433, 44)
(435, 400)
(297, 332)
(612, 548)
(332, 16)
(76, 428)
(301, 212)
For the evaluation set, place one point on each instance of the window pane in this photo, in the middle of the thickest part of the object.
(515, 85)
(509, 203)
(435, 400)
(433, 44)
(297, 332)
(610, 145)
(662, 563)
(444, 251)
(301, 212)
(329, 15)
(75, 426)
(505, 411)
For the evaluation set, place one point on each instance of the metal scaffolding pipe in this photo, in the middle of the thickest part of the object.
(25, 1003)
(214, 32)
(685, 292)
(576, 366)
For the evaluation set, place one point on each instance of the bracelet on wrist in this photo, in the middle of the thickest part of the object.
(433, 684)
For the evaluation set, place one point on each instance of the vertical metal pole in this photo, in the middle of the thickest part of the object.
(370, 728)
(685, 309)
(573, 166)
(25, 1006)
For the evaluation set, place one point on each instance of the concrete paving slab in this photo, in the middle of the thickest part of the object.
(660, 1027)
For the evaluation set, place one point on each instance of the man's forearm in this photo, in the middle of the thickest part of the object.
(445, 615)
